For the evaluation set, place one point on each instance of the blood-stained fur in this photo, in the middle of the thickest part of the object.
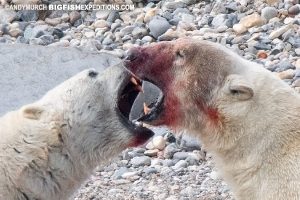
(244, 115)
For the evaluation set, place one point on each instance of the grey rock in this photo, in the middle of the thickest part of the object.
(192, 161)
(47, 39)
(168, 15)
(27, 72)
(294, 41)
(57, 33)
(3, 40)
(140, 161)
(139, 32)
(297, 51)
(189, 2)
(150, 170)
(282, 66)
(170, 150)
(114, 26)
(172, 5)
(28, 15)
(22, 40)
(36, 41)
(180, 155)
(119, 172)
(158, 26)
(219, 20)
(180, 164)
(23, 25)
(181, 10)
(294, 10)
(113, 15)
(261, 46)
(35, 32)
(275, 51)
(74, 16)
(189, 143)
(168, 163)
(269, 13)
(7, 16)
(127, 30)
(188, 18)
(107, 41)
(147, 39)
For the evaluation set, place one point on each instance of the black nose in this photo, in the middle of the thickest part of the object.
(132, 55)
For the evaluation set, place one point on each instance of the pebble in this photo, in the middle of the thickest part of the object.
(7, 16)
(239, 28)
(139, 32)
(170, 150)
(158, 26)
(251, 20)
(141, 161)
(28, 15)
(102, 14)
(100, 24)
(159, 142)
(53, 21)
(151, 152)
(181, 155)
(279, 32)
(74, 16)
(288, 74)
(128, 175)
(180, 164)
(294, 10)
(268, 13)
(150, 14)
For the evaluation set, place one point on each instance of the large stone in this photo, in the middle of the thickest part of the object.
(28, 15)
(141, 161)
(7, 16)
(252, 20)
(158, 26)
(28, 72)
(268, 13)
(280, 31)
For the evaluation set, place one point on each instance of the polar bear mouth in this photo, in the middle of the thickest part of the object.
(126, 100)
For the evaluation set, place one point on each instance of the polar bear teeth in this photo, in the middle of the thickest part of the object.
(141, 124)
(137, 84)
(146, 109)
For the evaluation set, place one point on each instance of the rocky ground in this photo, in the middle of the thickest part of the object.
(267, 32)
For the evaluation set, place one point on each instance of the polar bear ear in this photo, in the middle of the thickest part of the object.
(32, 112)
(240, 88)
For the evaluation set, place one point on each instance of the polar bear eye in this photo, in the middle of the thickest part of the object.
(180, 54)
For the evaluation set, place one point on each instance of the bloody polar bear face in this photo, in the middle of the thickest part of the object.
(195, 77)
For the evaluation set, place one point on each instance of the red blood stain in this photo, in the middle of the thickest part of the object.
(211, 113)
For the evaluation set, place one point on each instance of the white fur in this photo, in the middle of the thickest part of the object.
(256, 144)
(48, 148)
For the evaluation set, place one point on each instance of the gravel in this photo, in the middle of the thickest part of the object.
(170, 167)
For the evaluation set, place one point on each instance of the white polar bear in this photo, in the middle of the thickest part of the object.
(48, 148)
(244, 115)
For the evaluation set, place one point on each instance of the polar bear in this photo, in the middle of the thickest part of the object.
(243, 114)
(48, 148)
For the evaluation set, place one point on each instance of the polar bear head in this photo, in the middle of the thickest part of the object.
(208, 89)
(90, 113)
